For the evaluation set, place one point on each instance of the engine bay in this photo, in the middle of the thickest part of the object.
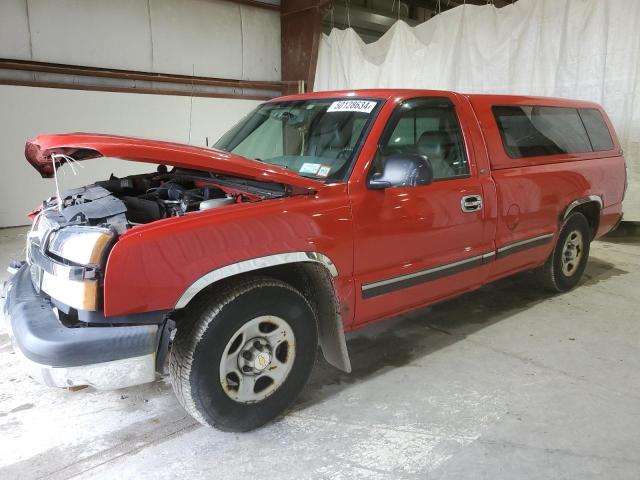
(125, 202)
(152, 197)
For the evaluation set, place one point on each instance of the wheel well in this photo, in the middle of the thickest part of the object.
(591, 210)
(314, 282)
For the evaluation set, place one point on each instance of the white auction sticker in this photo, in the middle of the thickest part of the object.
(364, 106)
(310, 168)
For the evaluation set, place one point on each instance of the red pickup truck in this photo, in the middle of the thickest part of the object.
(315, 215)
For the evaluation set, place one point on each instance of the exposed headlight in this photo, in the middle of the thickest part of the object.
(79, 295)
(81, 245)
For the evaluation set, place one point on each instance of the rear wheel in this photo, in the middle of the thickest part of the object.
(565, 266)
(241, 359)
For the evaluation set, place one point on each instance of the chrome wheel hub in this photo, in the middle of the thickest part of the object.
(257, 359)
(572, 253)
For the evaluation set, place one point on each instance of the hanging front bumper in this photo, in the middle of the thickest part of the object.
(60, 356)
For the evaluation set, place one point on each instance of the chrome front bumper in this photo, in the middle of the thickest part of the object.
(59, 356)
(101, 376)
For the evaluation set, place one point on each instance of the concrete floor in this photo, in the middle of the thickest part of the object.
(506, 382)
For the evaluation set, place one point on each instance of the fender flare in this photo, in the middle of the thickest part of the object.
(330, 327)
(251, 265)
(581, 201)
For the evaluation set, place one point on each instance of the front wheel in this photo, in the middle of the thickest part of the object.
(244, 354)
(565, 266)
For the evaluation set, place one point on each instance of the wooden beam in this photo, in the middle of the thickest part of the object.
(27, 65)
(173, 84)
(301, 29)
(147, 91)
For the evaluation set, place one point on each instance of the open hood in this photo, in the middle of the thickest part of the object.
(84, 146)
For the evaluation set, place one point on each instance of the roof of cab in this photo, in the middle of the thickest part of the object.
(475, 98)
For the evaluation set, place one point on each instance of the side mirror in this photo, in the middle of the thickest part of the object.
(403, 170)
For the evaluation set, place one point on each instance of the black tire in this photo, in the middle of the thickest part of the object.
(204, 333)
(551, 274)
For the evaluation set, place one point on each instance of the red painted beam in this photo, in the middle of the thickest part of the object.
(301, 30)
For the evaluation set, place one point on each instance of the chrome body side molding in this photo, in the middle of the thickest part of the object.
(388, 285)
(250, 265)
(524, 244)
(397, 283)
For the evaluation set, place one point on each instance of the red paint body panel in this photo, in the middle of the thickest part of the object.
(403, 230)
(370, 235)
(533, 193)
(169, 255)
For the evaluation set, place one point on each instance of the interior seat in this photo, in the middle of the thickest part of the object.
(329, 138)
(437, 147)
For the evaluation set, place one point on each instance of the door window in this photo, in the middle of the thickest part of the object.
(430, 129)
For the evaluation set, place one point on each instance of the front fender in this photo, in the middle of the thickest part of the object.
(152, 267)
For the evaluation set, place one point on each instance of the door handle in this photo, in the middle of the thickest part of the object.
(471, 203)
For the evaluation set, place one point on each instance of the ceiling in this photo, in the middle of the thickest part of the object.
(372, 18)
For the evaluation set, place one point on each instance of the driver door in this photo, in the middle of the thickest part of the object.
(419, 244)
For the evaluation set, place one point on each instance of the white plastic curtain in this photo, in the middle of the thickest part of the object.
(582, 49)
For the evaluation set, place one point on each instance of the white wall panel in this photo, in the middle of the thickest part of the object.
(209, 37)
(113, 34)
(216, 38)
(28, 111)
(14, 29)
(261, 52)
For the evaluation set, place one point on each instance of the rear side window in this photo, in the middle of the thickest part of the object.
(532, 131)
(597, 129)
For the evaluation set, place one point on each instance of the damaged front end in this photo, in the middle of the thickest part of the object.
(70, 240)
(53, 303)
(66, 256)
(58, 355)
(54, 300)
